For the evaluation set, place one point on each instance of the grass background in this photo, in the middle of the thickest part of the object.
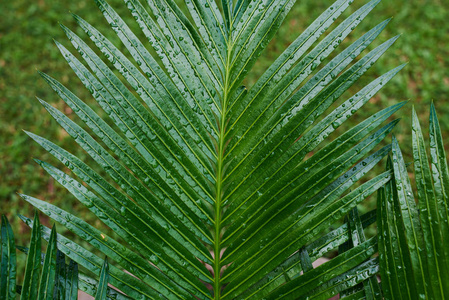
(27, 29)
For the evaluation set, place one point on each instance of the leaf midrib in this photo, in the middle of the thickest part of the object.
(219, 177)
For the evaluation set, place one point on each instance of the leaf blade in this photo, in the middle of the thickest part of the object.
(103, 283)
(8, 261)
(428, 208)
(47, 282)
(411, 223)
(30, 285)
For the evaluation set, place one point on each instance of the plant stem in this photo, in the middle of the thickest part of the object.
(219, 183)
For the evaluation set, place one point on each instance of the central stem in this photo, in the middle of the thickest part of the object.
(217, 246)
(219, 183)
(218, 210)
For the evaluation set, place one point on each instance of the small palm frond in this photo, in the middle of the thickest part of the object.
(209, 182)
(60, 281)
(47, 276)
(414, 239)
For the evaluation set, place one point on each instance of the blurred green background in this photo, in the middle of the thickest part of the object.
(27, 29)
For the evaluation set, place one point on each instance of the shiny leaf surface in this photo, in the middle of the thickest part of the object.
(213, 189)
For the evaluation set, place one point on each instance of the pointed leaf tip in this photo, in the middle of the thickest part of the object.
(30, 134)
(38, 161)
(41, 101)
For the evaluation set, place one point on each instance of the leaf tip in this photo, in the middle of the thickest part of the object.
(58, 44)
(38, 161)
(23, 196)
(42, 74)
(31, 135)
(67, 31)
(77, 18)
(432, 108)
(41, 101)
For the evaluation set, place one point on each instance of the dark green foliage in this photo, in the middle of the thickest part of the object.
(103, 283)
(46, 277)
(33, 265)
(414, 237)
(203, 156)
(47, 281)
(214, 190)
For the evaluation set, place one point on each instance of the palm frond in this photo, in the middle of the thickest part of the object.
(413, 241)
(207, 181)
(46, 276)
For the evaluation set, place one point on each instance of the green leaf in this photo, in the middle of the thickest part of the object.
(292, 266)
(440, 175)
(283, 107)
(121, 280)
(72, 281)
(354, 296)
(159, 83)
(412, 227)
(176, 61)
(412, 243)
(135, 188)
(48, 275)
(339, 155)
(90, 286)
(361, 273)
(429, 217)
(291, 75)
(216, 190)
(163, 190)
(126, 258)
(103, 284)
(131, 212)
(328, 272)
(302, 234)
(292, 53)
(154, 141)
(60, 277)
(184, 39)
(397, 283)
(159, 108)
(227, 11)
(286, 156)
(209, 21)
(306, 263)
(253, 37)
(8, 262)
(30, 285)
(371, 286)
